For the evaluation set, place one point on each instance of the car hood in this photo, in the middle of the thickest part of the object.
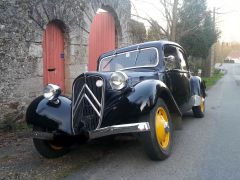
(134, 75)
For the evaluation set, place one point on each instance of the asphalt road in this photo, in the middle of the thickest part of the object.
(207, 148)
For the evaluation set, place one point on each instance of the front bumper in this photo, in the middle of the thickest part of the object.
(119, 129)
(101, 132)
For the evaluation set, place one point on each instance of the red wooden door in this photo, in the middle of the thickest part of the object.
(53, 55)
(102, 37)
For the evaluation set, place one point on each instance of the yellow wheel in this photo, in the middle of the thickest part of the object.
(158, 142)
(55, 147)
(202, 105)
(198, 111)
(162, 127)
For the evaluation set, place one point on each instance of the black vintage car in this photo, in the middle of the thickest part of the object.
(142, 89)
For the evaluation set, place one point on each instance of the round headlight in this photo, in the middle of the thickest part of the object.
(51, 91)
(118, 80)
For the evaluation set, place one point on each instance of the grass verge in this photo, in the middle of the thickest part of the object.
(210, 81)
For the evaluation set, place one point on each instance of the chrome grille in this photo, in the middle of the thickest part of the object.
(87, 103)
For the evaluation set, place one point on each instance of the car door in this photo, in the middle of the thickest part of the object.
(185, 78)
(176, 76)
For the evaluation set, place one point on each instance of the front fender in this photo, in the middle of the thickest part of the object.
(145, 97)
(147, 92)
(44, 114)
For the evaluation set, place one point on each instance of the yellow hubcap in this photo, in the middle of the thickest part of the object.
(55, 147)
(202, 105)
(162, 128)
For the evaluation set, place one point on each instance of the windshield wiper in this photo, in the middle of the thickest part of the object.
(114, 55)
(135, 62)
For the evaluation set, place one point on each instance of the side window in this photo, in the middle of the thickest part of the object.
(146, 57)
(182, 59)
(171, 51)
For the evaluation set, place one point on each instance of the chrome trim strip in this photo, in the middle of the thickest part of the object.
(93, 96)
(41, 135)
(75, 106)
(83, 95)
(77, 101)
(90, 102)
(120, 129)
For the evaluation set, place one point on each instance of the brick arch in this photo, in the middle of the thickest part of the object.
(44, 12)
(77, 16)
(117, 23)
(102, 37)
(119, 10)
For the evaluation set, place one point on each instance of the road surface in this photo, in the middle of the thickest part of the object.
(207, 148)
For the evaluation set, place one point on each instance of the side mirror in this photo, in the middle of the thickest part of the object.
(169, 59)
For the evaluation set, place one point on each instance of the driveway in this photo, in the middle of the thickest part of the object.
(207, 148)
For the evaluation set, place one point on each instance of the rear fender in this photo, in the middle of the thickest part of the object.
(198, 88)
(42, 113)
(145, 95)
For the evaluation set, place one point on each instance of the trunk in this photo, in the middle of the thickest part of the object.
(174, 21)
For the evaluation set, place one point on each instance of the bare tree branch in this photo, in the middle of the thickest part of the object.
(151, 23)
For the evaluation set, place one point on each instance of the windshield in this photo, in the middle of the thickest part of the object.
(132, 59)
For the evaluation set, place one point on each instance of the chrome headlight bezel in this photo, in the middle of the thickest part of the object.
(118, 80)
(51, 92)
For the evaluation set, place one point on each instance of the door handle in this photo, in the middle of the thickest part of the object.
(51, 69)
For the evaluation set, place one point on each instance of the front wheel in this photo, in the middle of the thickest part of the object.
(158, 142)
(50, 149)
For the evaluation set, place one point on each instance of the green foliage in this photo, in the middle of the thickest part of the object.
(210, 81)
(197, 28)
(154, 32)
(137, 31)
(191, 13)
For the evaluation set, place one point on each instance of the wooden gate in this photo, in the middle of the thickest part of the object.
(53, 55)
(102, 37)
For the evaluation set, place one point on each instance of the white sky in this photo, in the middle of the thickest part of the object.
(227, 17)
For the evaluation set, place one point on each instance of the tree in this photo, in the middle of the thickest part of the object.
(197, 32)
(154, 32)
(189, 23)
(199, 41)
(169, 11)
(137, 31)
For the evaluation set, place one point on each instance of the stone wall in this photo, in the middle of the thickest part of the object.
(22, 23)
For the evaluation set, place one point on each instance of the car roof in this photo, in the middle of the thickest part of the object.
(156, 44)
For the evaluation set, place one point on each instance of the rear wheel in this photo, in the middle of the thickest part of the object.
(158, 142)
(50, 148)
(198, 111)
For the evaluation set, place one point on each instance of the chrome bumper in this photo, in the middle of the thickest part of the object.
(106, 131)
(119, 129)
(42, 135)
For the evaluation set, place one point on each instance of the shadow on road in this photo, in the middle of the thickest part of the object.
(20, 159)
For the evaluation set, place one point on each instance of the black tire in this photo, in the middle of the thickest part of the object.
(198, 111)
(151, 140)
(49, 149)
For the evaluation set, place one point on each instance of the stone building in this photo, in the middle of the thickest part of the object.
(26, 52)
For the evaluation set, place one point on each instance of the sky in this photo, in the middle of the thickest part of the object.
(227, 16)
